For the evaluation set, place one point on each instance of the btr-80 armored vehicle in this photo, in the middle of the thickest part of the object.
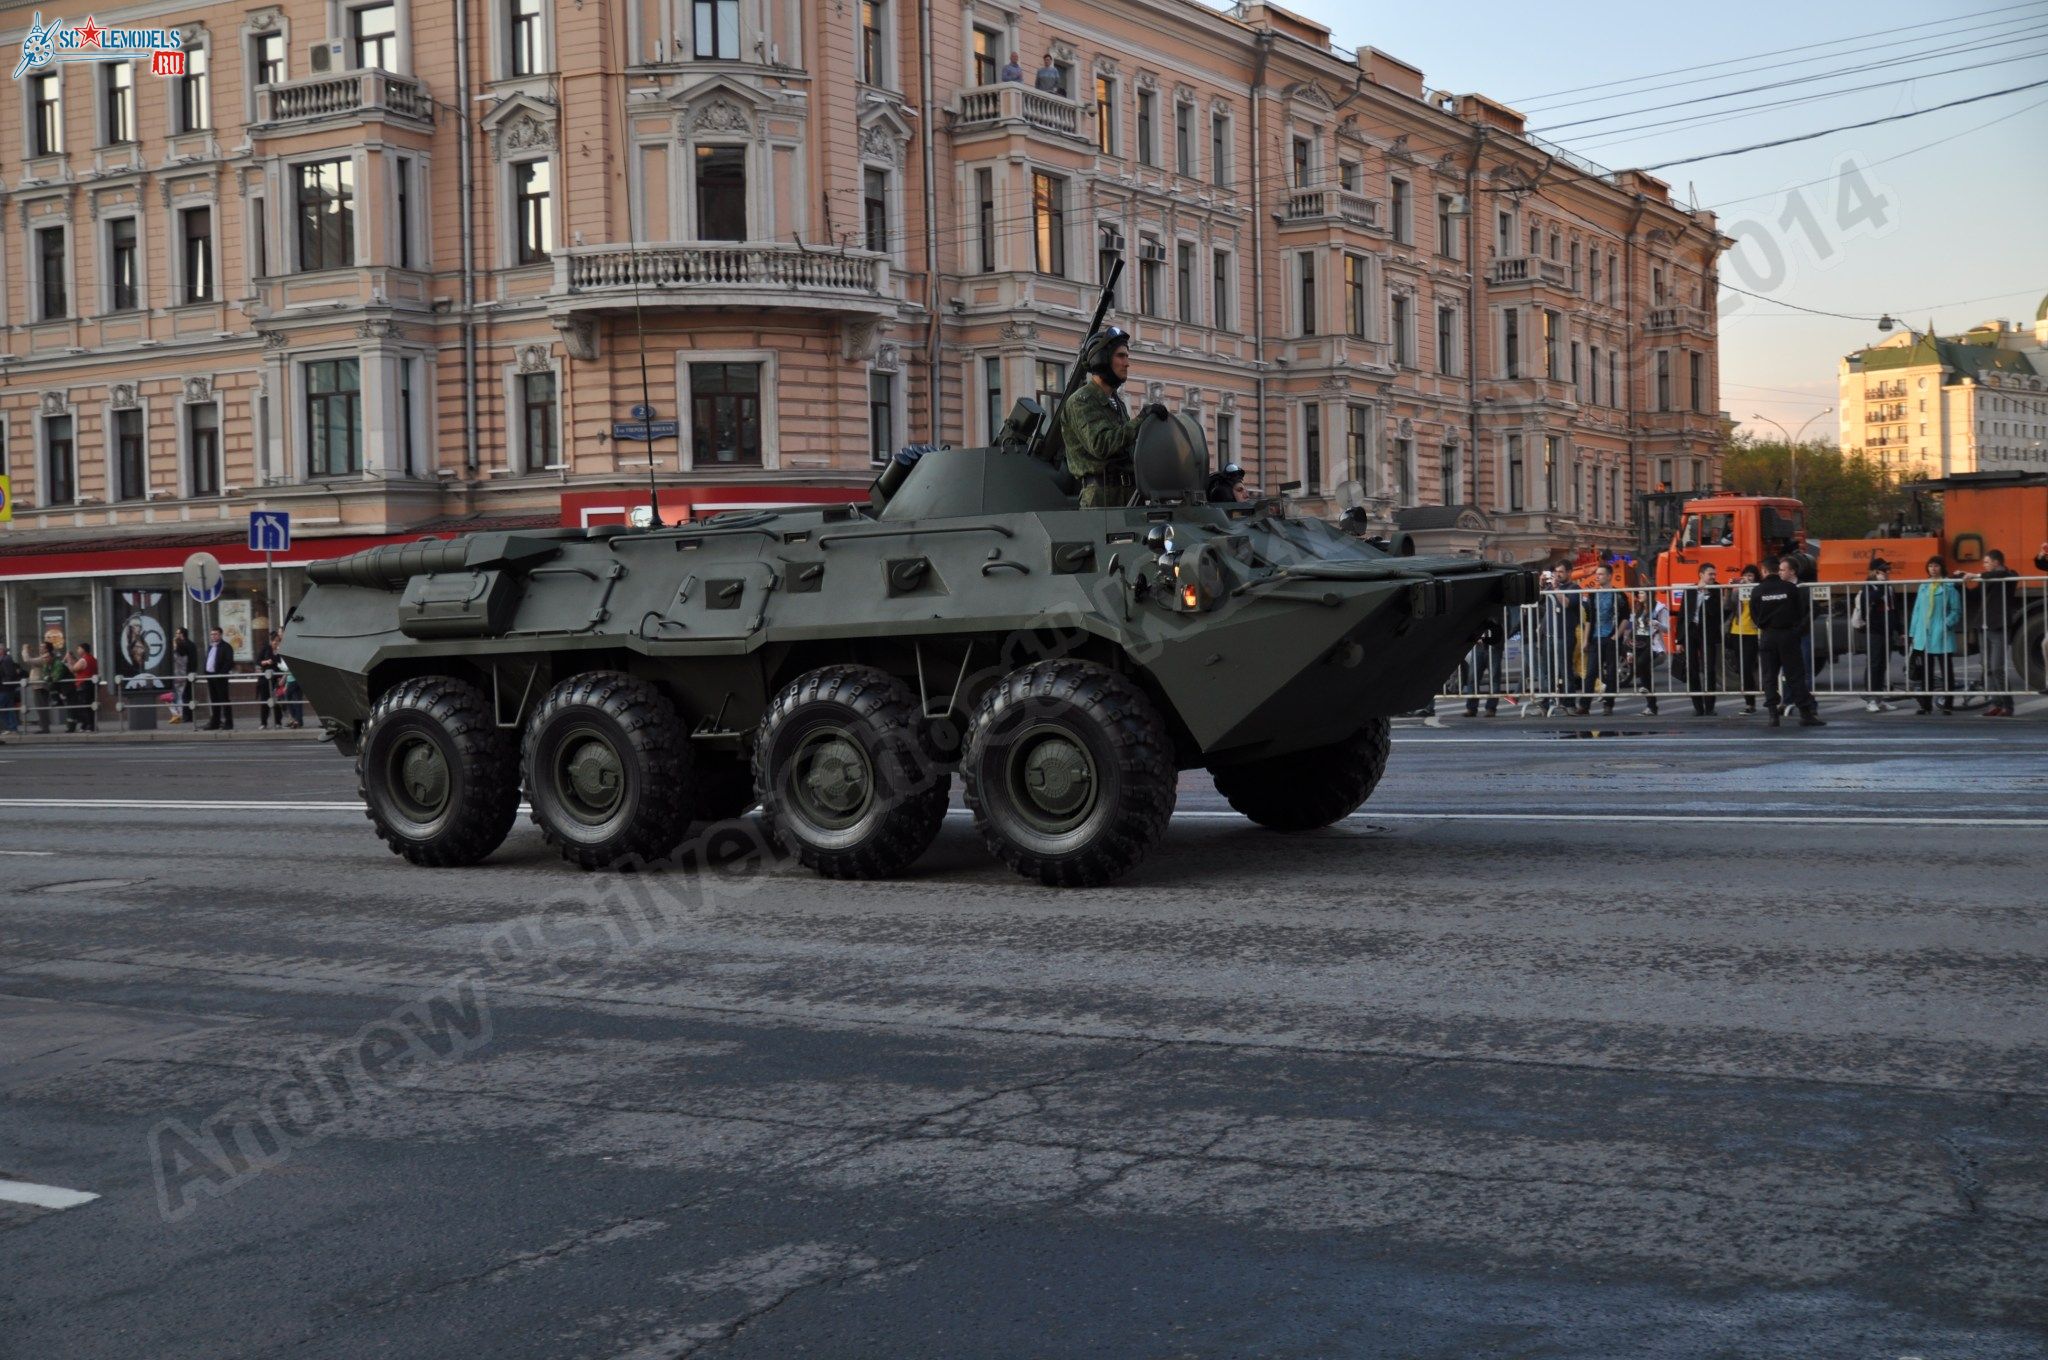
(835, 665)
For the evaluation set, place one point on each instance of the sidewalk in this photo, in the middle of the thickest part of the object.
(1675, 710)
(116, 735)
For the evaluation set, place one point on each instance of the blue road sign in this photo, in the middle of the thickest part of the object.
(642, 413)
(644, 429)
(270, 531)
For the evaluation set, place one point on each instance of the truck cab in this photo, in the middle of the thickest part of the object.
(1730, 532)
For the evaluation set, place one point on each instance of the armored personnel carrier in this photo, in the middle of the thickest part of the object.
(836, 666)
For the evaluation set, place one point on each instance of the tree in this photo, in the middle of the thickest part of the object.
(1846, 495)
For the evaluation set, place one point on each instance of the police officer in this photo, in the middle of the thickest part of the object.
(1779, 608)
(1097, 429)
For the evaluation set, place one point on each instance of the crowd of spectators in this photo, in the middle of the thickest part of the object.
(46, 684)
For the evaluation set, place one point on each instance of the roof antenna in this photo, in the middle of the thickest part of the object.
(640, 329)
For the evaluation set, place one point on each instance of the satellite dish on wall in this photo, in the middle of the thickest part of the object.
(1350, 494)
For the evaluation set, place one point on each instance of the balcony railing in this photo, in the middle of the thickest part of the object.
(805, 276)
(1515, 269)
(344, 95)
(1677, 319)
(1320, 205)
(986, 106)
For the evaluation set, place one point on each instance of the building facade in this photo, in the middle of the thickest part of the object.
(1927, 405)
(399, 268)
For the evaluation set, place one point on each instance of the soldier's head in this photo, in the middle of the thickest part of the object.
(1108, 356)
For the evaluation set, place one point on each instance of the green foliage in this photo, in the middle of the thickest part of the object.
(1846, 495)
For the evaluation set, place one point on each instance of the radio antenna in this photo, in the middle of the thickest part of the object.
(640, 329)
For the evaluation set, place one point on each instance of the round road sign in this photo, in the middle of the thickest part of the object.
(204, 581)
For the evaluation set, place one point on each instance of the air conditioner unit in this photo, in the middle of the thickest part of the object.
(1112, 238)
(1457, 205)
(1152, 252)
(323, 57)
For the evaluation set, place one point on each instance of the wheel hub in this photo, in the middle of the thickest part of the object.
(423, 777)
(1058, 776)
(836, 777)
(593, 778)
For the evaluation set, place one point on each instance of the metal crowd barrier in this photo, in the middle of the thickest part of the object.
(146, 702)
(1960, 642)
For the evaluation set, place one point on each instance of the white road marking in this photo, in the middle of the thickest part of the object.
(44, 1196)
(25, 854)
(181, 805)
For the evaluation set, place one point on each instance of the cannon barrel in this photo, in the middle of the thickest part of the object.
(391, 566)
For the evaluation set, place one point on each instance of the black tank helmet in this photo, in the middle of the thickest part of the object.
(1095, 359)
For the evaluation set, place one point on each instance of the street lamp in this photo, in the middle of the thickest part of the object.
(1792, 442)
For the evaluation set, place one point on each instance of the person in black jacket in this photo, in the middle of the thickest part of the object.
(219, 665)
(11, 677)
(1703, 618)
(267, 706)
(184, 665)
(1878, 615)
(1779, 607)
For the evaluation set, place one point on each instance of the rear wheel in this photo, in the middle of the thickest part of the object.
(608, 769)
(1303, 790)
(1069, 773)
(843, 777)
(439, 777)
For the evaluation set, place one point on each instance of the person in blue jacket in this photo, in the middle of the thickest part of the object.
(1937, 615)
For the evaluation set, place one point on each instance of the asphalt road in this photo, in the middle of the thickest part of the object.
(1702, 1042)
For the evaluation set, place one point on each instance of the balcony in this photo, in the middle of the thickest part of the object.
(1331, 205)
(1685, 424)
(1691, 319)
(1517, 270)
(985, 108)
(352, 94)
(738, 275)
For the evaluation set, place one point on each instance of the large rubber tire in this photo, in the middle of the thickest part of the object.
(1304, 790)
(1069, 772)
(844, 779)
(608, 769)
(439, 778)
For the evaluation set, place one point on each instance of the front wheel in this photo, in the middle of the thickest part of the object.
(439, 777)
(608, 770)
(844, 780)
(1069, 773)
(1303, 790)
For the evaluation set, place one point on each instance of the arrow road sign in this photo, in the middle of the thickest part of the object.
(204, 580)
(270, 531)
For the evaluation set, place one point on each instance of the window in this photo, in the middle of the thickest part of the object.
(52, 274)
(1504, 235)
(1699, 381)
(1447, 474)
(1656, 286)
(1593, 291)
(1593, 376)
(1553, 473)
(881, 417)
(1699, 474)
(122, 294)
(1579, 492)
(988, 52)
(202, 449)
(195, 92)
(1403, 229)
(1219, 290)
(1184, 279)
(1350, 176)
(1052, 385)
(1356, 314)
(1109, 248)
(1553, 244)
(874, 208)
(1105, 115)
(1184, 139)
(1550, 328)
(1307, 270)
(1219, 148)
(1613, 277)
(1663, 379)
(1516, 478)
(537, 421)
(1404, 356)
(326, 205)
(725, 415)
(874, 47)
(373, 37)
(1578, 392)
(1613, 387)
(1151, 264)
(334, 417)
(259, 234)
(402, 201)
(1614, 496)
(46, 106)
(1575, 266)
(715, 29)
(1312, 446)
(1446, 341)
(131, 467)
(1404, 472)
(117, 102)
(985, 217)
(1446, 228)
(60, 461)
(992, 396)
(407, 434)
(1358, 448)
(721, 193)
(1535, 241)
(1049, 223)
(195, 255)
(1511, 343)
(266, 58)
(524, 35)
(1226, 437)
(1148, 131)
(1301, 162)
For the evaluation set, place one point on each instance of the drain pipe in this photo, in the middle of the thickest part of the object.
(466, 178)
(1259, 251)
(931, 220)
(1472, 305)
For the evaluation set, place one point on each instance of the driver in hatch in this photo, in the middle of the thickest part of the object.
(1096, 427)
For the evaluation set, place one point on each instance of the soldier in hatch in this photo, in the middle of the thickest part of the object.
(1097, 429)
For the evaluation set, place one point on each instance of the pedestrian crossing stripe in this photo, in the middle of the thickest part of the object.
(6, 499)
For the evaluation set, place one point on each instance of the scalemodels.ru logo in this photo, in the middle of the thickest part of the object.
(48, 44)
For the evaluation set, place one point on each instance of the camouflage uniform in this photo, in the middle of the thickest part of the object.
(1098, 431)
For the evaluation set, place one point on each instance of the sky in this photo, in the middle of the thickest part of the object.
(1956, 233)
